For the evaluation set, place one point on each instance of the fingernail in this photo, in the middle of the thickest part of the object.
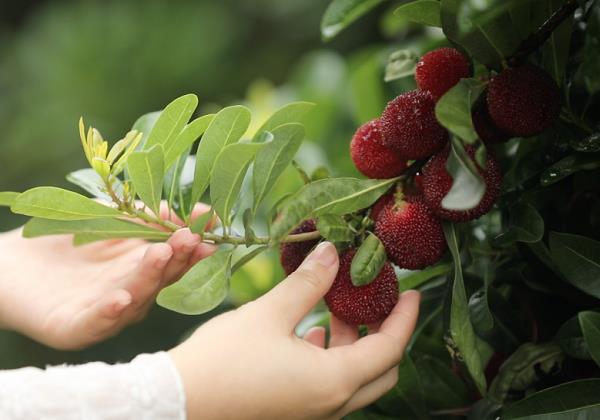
(410, 292)
(162, 261)
(325, 254)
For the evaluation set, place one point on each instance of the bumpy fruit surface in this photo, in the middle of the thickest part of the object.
(437, 182)
(371, 157)
(485, 127)
(292, 254)
(409, 125)
(359, 305)
(439, 70)
(523, 101)
(412, 236)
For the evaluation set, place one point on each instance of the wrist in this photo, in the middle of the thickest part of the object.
(5, 246)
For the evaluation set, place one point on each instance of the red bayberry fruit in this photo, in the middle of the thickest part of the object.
(371, 157)
(293, 253)
(380, 204)
(409, 125)
(484, 126)
(437, 182)
(412, 236)
(359, 305)
(523, 101)
(439, 70)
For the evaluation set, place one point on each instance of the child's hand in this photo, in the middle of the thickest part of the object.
(249, 364)
(69, 297)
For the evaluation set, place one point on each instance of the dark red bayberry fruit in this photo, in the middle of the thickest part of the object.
(437, 182)
(380, 204)
(484, 126)
(292, 254)
(360, 305)
(371, 157)
(412, 236)
(409, 125)
(523, 101)
(439, 70)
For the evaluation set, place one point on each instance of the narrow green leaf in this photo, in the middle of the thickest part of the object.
(226, 179)
(461, 329)
(590, 326)
(248, 220)
(417, 278)
(425, 12)
(570, 339)
(443, 388)
(146, 170)
(227, 127)
(172, 179)
(341, 13)
(328, 196)
(334, 228)
(89, 180)
(247, 257)
(56, 203)
(273, 158)
(526, 225)
(99, 228)
(453, 110)
(590, 59)
(186, 138)
(202, 288)
(555, 51)
(145, 123)
(200, 224)
(578, 259)
(400, 64)
(7, 198)
(572, 400)
(290, 113)
(569, 165)
(368, 261)
(468, 187)
(587, 144)
(171, 121)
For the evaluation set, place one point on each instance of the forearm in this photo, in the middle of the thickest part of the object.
(6, 273)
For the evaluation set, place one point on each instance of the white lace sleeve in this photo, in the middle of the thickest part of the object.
(149, 388)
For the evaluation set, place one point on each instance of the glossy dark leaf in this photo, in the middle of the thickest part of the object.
(590, 326)
(368, 261)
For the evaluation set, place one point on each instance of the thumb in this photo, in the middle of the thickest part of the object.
(295, 296)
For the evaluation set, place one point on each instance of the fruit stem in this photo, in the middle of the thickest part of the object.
(303, 175)
(537, 38)
(260, 240)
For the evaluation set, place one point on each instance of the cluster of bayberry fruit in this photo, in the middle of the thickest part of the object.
(519, 102)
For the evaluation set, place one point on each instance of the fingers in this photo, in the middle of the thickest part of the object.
(372, 391)
(184, 244)
(384, 349)
(295, 296)
(100, 318)
(165, 214)
(146, 278)
(342, 334)
(315, 336)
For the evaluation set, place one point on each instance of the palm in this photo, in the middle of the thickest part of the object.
(76, 296)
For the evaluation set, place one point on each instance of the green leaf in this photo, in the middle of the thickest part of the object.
(487, 41)
(145, 123)
(468, 187)
(98, 228)
(334, 228)
(524, 368)
(587, 144)
(171, 121)
(555, 51)
(570, 339)
(590, 59)
(146, 170)
(273, 158)
(186, 138)
(578, 259)
(172, 179)
(290, 113)
(227, 127)
(590, 326)
(202, 288)
(569, 165)
(248, 220)
(453, 110)
(407, 398)
(56, 203)
(526, 225)
(461, 329)
(7, 198)
(443, 388)
(368, 261)
(200, 224)
(341, 13)
(226, 179)
(425, 12)
(247, 257)
(328, 196)
(400, 64)
(417, 278)
(89, 180)
(572, 400)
